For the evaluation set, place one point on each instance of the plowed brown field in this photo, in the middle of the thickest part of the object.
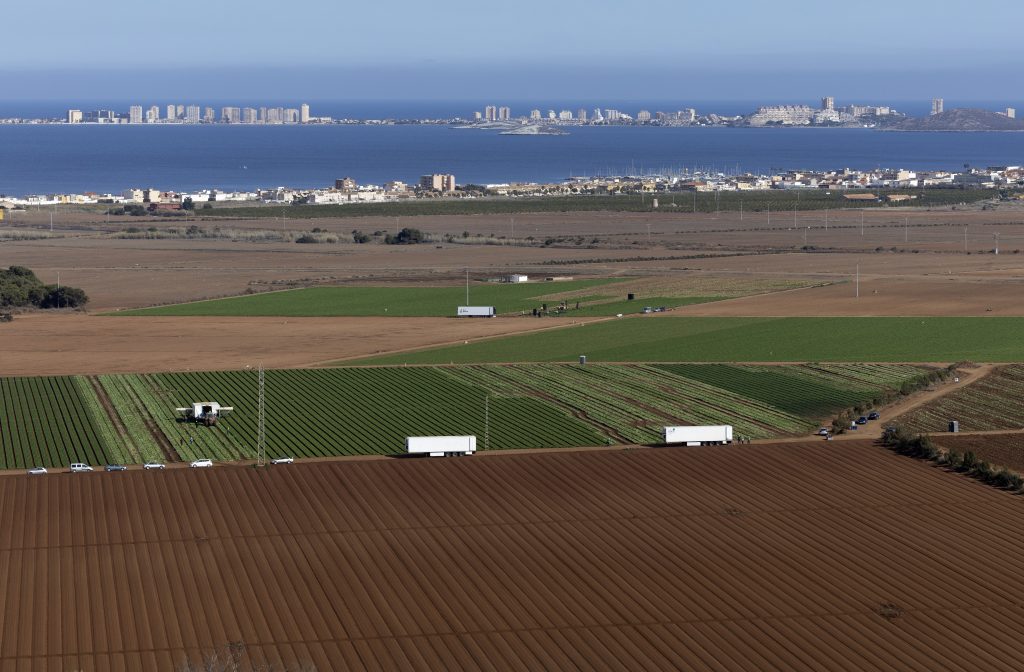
(787, 557)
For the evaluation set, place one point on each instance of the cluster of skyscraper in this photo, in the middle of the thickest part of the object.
(193, 114)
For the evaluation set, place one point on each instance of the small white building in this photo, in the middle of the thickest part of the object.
(517, 278)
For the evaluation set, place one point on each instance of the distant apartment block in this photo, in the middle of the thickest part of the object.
(304, 114)
(581, 114)
(1011, 113)
(172, 112)
(438, 182)
(784, 115)
(535, 115)
(345, 184)
(75, 116)
(643, 116)
(937, 105)
(565, 115)
(504, 113)
(135, 114)
(491, 113)
(192, 114)
(828, 103)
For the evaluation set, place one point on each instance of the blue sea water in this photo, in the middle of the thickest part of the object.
(56, 158)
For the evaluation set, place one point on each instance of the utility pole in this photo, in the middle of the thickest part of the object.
(513, 220)
(261, 438)
(826, 219)
(487, 422)
(862, 223)
(467, 285)
(857, 284)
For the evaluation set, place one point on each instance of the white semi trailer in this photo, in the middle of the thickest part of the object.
(703, 435)
(475, 311)
(440, 446)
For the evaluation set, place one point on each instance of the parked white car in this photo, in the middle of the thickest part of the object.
(78, 467)
(153, 465)
(282, 460)
(200, 464)
(37, 470)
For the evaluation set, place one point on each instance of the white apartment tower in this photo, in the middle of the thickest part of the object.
(1011, 113)
(828, 103)
(192, 114)
(74, 116)
(535, 115)
(937, 105)
(504, 113)
(491, 113)
(135, 114)
(304, 114)
(172, 112)
(581, 114)
(153, 115)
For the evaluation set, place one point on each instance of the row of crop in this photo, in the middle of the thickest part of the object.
(595, 406)
(777, 386)
(45, 422)
(137, 444)
(751, 417)
(114, 445)
(872, 376)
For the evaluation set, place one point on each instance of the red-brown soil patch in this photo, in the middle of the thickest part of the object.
(58, 344)
(1004, 449)
(794, 557)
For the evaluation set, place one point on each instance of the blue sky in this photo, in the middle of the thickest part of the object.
(526, 49)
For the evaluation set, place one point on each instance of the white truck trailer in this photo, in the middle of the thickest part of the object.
(475, 311)
(703, 435)
(440, 446)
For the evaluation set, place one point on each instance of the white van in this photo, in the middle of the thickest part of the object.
(78, 467)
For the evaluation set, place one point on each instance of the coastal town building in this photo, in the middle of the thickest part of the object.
(937, 106)
(438, 182)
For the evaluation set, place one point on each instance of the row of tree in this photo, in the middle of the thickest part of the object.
(20, 288)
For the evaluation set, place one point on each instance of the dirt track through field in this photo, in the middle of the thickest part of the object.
(784, 557)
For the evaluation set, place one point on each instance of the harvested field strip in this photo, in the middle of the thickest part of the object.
(747, 339)
(600, 560)
(993, 402)
(50, 421)
(636, 401)
(140, 445)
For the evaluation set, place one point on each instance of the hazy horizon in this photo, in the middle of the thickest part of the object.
(535, 50)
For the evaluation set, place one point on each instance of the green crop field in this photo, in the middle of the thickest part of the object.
(749, 339)
(386, 301)
(370, 410)
(323, 412)
(51, 422)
